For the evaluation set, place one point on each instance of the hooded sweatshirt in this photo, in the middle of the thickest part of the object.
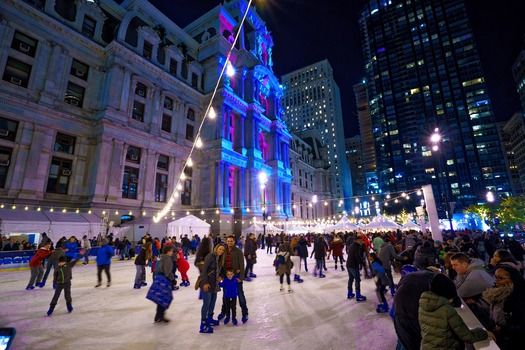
(475, 281)
(442, 327)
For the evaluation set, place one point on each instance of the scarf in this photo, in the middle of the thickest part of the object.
(496, 298)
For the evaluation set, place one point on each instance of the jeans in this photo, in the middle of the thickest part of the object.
(106, 270)
(353, 274)
(36, 274)
(67, 293)
(48, 270)
(123, 253)
(249, 267)
(304, 258)
(185, 251)
(208, 304)
(140, 275)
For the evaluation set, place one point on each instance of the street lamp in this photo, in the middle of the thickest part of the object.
(436, 139)
(263, 180)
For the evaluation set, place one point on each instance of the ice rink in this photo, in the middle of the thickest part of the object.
(316, 315)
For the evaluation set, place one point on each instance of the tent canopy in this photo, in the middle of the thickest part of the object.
(189, 225)
(343, 225)
(55, 224)
(382, 223)
(254, 228)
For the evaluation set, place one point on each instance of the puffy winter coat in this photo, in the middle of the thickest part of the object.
(337, 246)
(104, 255)
(442, 327)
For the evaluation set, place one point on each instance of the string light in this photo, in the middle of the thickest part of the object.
(189, 162)
(51, 210)
(26, 208)
(198, 143)
(212, 114)
(64, 210)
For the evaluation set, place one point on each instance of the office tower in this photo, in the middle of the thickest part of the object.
(423, 73)
(513, 142)
(312, 101)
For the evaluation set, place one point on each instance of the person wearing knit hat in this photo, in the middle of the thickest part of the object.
(104, 255)
(441, 326)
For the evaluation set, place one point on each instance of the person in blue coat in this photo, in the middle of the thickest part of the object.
(104, 255)
(230, 287)
(71, 248)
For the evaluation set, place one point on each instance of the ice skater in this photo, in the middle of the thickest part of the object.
(35, 264)
(381, 281)
(104, 255)
(62, 280)
(142, 259)
(284, 264)
(230, 291)
(161, 291)
(183, 265)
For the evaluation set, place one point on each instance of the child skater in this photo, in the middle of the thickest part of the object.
(229, 284)
(62, 279)
(378, 271)
(183, 265)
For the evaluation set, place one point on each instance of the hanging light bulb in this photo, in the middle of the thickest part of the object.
(116, 212)
(26, 208)
(103, 212)
(217, 211)
(373, 198)
(144, 213)
(211, 113)
(202, 212)
(198, 143)
(388, 196)
(176, 194)
(13, 207)
(183, 176)
(130, 213)
(64, 210)
(187, 213)
(172, 213)
(179, 187)
(386, 204)
(2, 206)
(77, 211)
(51, 210)
(89, 211)
(189, 162)
(247, 210)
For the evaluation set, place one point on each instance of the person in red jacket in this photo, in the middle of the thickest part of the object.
(35, 264)
(183, 265)
(336, 246)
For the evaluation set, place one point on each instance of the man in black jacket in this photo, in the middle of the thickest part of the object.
(250, 251)
(352, 264)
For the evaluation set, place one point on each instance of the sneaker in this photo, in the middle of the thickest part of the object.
(244, 319)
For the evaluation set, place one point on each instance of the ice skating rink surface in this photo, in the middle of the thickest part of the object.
(316, 315)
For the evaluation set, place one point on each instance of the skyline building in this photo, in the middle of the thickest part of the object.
(423, 73)
(312, 101)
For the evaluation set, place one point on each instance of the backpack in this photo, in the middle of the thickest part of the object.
(281, 258)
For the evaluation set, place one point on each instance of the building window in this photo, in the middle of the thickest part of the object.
(191, 114)
(141, 90)
(65, 143)
(161, 187)
(185, 197)
(184, 69)
(74, 94)
(163, 162)
(189, 132)
(147, 50)
(194, 80)
(59, 175)
(79, 70)
(24, 44)
(138, 111)
(168, 103)
(88, 27)
(17, 72)
(133, 154)
(166, 122)
(8, 129)
(173, 67)
(130, 182)
(5, 160)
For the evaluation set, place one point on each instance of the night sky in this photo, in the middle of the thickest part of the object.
(307, 31)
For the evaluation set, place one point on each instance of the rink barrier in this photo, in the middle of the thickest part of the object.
(19, 259)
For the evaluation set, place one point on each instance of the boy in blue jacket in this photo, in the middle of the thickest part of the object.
(104, 255)
(229, 284)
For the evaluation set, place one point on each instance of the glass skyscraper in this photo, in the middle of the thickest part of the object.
(423, 72)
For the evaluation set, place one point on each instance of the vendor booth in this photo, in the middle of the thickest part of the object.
(189, 225)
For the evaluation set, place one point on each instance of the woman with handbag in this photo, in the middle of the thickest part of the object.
(161, 291)
(209, 284)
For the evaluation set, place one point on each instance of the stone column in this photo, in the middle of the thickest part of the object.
(219, 184)
(225, 184)
(241, 186)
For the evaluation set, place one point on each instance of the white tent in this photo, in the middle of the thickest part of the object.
(55, 224)
(189, 225)
(254, 228)
(409, 225)
(143, 225)
(381, 223)
(343, 225)
(271, 228)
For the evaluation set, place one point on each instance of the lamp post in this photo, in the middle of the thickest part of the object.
(263, 180)
(436, 139)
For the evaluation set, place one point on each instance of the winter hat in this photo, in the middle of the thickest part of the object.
(443, 286)
(105, 241)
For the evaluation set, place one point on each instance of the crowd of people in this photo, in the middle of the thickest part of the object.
(483, 269)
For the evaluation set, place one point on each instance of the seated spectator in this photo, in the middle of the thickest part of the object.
(441, 326)
(517, 251)
(503, 257)
(507, 308)
(12, 245)
(471, 281)
(424, 256)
